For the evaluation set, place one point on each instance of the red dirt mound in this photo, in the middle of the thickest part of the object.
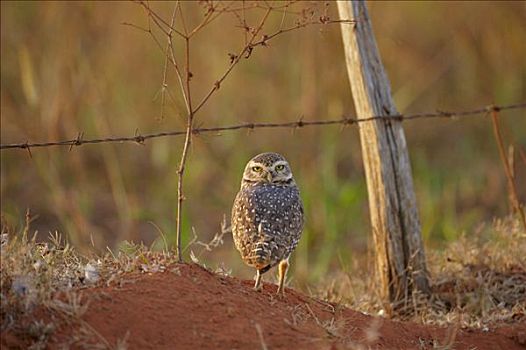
(188, 307)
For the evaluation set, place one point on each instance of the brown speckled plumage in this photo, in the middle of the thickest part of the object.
(267, 216)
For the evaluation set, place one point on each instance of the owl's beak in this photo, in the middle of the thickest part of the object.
(270, 176)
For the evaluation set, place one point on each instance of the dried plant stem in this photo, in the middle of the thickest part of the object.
(507, 170)
(159, 21)
(180, 177)
(209, 18)
(184, 154)
(164, 86)
(174, 61)
(190, 118)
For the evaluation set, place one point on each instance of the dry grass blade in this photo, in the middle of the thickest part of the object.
(260, 335)
(478, 281)
(507, 169)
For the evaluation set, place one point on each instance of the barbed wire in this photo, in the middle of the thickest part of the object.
(140, 139)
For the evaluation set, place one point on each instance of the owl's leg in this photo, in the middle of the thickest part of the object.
(282, 273)
(257, 286)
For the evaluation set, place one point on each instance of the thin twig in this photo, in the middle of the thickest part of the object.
(244, 23)
(212, 15)
(149, 31)
(247, 49)
(244, 51)
(256, 5)
(284, 15)
(135, 26)
(507, 170)
(159, 20)
(164, 86)
(176, 67)
(266, 38)
(183, 22)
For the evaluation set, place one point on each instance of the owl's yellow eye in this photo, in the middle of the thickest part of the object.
(280, 167)
(257, 169)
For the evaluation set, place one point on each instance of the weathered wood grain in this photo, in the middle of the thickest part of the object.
(400, 257)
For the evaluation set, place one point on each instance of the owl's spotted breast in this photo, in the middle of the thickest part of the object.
(266, 222)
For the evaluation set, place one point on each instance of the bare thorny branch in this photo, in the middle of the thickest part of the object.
(213, 11)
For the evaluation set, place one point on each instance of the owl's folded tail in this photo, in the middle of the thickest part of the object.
(261, 257)
(261, 252)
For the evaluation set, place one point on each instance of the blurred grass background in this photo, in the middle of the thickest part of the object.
(70, 67)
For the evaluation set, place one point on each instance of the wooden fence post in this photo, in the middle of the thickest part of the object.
(400, 257)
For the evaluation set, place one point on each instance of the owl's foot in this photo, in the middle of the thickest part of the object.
(258, 284)
(282, 273)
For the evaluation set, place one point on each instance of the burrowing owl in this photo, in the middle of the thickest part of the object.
(267, 216)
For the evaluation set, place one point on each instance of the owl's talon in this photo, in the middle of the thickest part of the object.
(282, 274)
(258, 284)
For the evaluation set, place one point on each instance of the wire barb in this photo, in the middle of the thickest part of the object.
(139, 138)
(77, 141)
(28, 148)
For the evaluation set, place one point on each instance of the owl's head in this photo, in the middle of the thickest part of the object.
(271, 168)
